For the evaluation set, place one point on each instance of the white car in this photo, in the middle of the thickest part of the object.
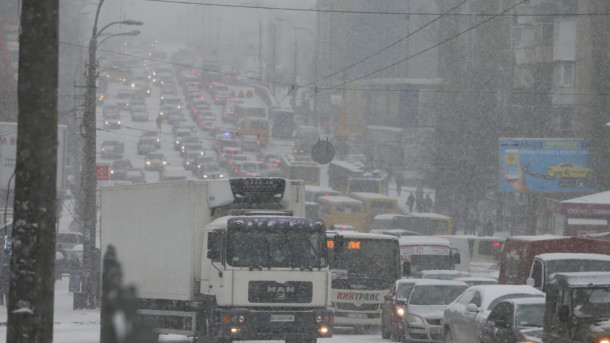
(465, 316)
(423, 314)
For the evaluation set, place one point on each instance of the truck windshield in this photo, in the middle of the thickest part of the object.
(276, 249)
(591, 302)
(369, 262)
(564, 266)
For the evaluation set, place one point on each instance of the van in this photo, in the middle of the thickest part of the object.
(419, 253)
(479, 255)
(341, 210)
(375, 204)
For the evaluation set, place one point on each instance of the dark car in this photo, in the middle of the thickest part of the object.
(135, 175)
(514, 320)
(153, 134)
(112, 149)
(118, 169)
(146, 145)
(155, 161)
(392, 309)
(112, 120)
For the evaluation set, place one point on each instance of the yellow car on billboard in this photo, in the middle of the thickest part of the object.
(569, 170)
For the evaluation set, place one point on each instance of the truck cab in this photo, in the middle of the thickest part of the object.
(545, 265)
(577, 308)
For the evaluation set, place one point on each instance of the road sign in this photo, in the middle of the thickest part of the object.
(102, 172)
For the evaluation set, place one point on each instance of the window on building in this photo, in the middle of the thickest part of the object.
(566, 74)
(545, 34)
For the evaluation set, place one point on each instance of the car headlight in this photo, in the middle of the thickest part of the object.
(178, 107)
(158, 140)
(164, 162)
(205, 176)
(177, 142)
(106, 122)
(221, 176)
(604, 340)
(414, 320)
(147, 163)
(187, 163)
(400, 311)
(119, 122)
(112, 172)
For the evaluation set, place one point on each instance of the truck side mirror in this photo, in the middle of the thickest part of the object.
(338, 243)
(406, 268)
(215, 246)
(530, 281)
(457, 258)
(564, 313)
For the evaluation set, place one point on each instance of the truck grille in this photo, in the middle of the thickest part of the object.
(274, 292)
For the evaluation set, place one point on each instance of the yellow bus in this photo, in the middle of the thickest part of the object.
(427, 224)
(341, 210)
(351, 176)
(254, 127)
(301, 168)
(374, 204)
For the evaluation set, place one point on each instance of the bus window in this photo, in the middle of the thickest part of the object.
(348, 208)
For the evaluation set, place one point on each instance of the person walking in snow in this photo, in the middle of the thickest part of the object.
(410, 202)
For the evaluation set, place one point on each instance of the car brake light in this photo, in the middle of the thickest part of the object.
(235, 170)
(495, 244)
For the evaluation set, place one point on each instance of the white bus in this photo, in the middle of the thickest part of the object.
(364, 270)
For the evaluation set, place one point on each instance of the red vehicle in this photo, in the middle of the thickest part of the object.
(519, 252)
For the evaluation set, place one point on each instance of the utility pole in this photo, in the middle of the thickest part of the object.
(30, 304)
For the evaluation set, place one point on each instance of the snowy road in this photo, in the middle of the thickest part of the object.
(83, 326)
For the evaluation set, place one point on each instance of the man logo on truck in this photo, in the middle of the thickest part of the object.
(280, 292)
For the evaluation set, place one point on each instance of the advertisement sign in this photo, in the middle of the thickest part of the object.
(545, 165)
(102, 172)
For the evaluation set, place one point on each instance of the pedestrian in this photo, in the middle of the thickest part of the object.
(489, 229)
(428, 203)
(411, 202)
(158, 123)
(398, 178)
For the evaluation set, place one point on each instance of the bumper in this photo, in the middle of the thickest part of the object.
(428, 333)
(346, 318)
(245, 324)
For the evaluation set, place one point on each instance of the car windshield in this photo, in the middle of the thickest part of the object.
(529, 315)
(435, 294)
(404, 290)
(155, 156)
(591, 302)
(276, 248)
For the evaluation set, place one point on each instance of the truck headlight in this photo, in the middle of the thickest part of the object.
(241, 318)
(604, 340)
(323, 330)
(414, 320)
(147, 163)
(205, 176)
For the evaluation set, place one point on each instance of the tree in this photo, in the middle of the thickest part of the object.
(30, 308)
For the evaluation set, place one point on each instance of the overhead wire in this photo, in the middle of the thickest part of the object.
(315, 10)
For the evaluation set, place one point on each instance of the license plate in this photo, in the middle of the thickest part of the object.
(357, 315)
(282, 318)
(436, 331)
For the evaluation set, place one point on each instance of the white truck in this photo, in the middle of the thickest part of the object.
(222, 260)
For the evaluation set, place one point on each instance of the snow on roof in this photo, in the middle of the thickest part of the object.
(423, 240)
(474, 237)
(527, 301)
(476, 279)
(319, 189)
(431, 282)
(362, 235)
(370, 195)
(537, 238)
(573, 256)
(389, 128)
(490, 293)
(440, 272)
(597, 198)
(581, 278)
(586, 221)
(339, 199)
(428, 215)
(388, 216)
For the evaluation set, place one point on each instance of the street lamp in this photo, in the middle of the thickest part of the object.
(88, 215)
(130, 33)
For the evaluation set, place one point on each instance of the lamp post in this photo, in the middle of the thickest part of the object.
(91, 262)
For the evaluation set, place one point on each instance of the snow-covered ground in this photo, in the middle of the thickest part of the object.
(83, 326)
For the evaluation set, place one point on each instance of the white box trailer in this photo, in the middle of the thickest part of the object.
(181, 244)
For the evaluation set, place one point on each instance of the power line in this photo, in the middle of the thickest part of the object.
(389, 46)
(313, 10)
(427, 49)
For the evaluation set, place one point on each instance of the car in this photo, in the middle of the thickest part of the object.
(164, 110)
(187, 147)
(514, 320)
(118, 169)
(248, 168)
(146, 145)
(569, 170)
(135, 175)
(188, 140)
(423, 312)
(123, 99)
(475, 281)
(224, 141)
(112, 149)
(172, 173)
(180, 134)
(139, 113)
(155, 161)
(172, 101)
(154, 135)
(208, 171)
(392, 309)
(188, 157)
(110, 108)
(112, 120)
(440, 274)
(231, 156)
(465, 316)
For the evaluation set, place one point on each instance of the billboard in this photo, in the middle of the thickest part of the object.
(545, 165)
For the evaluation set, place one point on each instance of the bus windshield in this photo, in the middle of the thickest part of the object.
(276, 248)
(369, 262)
